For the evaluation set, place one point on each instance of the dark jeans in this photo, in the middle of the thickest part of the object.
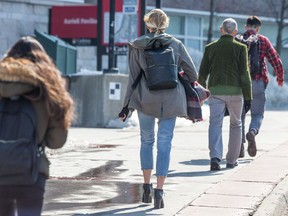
(25, 200)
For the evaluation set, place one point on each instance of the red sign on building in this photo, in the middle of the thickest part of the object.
(80, 22)
(74, 21)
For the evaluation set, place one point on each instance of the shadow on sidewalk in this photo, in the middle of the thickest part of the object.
(197, 162)
(119, 210)
(203, 162)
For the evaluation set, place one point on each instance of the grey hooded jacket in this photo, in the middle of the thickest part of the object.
(158, 103)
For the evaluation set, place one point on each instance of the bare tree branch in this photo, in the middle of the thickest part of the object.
(272, 6)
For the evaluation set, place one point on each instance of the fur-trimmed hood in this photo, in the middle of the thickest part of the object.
(17, 77)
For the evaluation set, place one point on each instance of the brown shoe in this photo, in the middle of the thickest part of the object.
(242, 151)
(252, 149)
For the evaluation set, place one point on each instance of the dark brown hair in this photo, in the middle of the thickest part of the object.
(58, 101)
(253, 21)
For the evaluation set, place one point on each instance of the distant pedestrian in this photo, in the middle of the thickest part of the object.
(225, 65)
(162, 105)
(259, 75)
(27, 71)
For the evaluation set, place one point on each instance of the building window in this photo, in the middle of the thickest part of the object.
(193, 26)
(177, 25)
(188, 29)
(194, 44)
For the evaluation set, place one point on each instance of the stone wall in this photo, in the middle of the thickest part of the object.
(19, 19)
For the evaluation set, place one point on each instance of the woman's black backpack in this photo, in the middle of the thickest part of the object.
(19, 152)
(161, 71)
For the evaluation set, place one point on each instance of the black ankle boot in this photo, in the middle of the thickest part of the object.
(158, 198)
(147, 193)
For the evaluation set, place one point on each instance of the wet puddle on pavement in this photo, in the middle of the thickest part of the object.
(81, 194)
(102, 146)
(105, 172)
(95, 188)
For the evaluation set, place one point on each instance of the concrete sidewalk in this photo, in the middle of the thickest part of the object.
(98, 173)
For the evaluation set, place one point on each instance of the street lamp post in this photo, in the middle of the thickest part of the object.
(99, 31)
(111, 56)
(142, 13)
(158, 3)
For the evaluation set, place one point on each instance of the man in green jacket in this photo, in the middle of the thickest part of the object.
(225, 65)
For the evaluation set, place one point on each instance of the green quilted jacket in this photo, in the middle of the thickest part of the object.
(225, 65)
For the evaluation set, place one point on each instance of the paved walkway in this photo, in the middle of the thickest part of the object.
(98, 173)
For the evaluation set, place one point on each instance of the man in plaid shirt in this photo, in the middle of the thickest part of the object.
(260, 81)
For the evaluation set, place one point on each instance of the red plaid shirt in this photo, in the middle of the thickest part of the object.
(266, 50)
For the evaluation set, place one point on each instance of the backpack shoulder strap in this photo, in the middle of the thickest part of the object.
(137, 80)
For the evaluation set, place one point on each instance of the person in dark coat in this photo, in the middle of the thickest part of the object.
(26, 70)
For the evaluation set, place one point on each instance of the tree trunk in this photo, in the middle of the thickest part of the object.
(280, 22)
